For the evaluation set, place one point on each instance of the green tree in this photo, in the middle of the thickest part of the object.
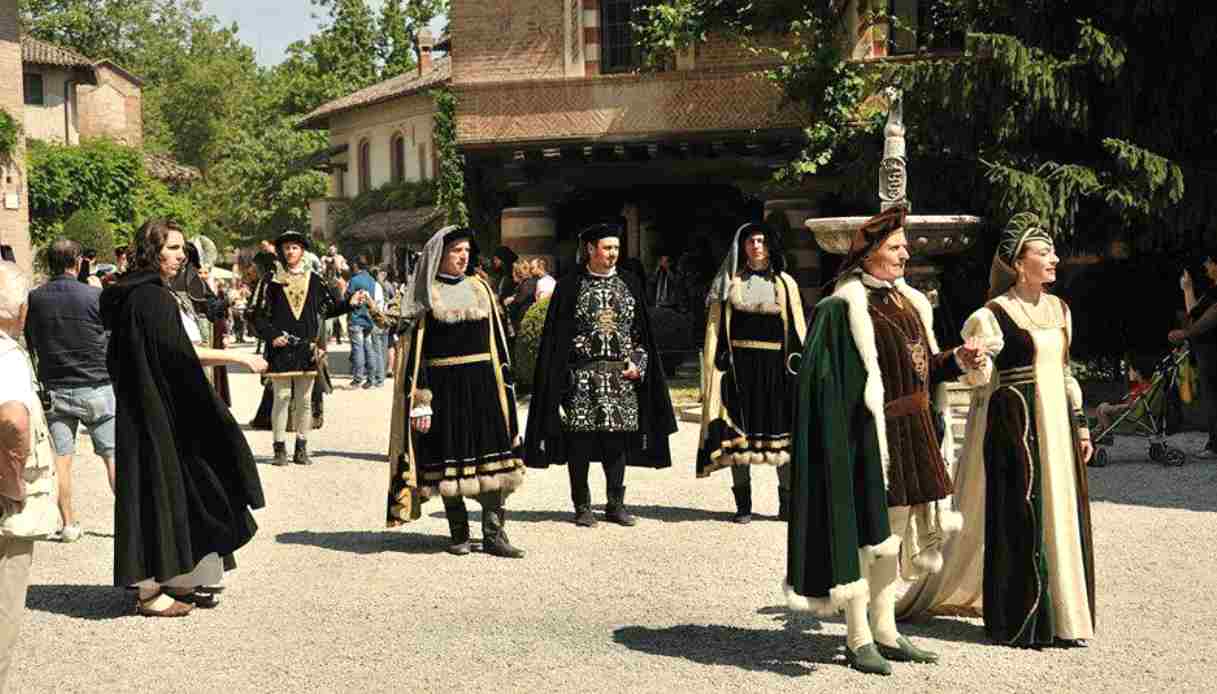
(1081, 110)
(93, 231)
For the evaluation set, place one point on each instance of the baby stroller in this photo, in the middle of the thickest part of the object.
(1154, 414)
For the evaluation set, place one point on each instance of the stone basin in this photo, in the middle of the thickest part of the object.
(928, 234)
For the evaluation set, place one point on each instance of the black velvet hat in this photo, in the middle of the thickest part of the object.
(601, 230)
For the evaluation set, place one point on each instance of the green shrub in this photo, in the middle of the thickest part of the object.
(10, 130)
(528, 341)
(92, 229)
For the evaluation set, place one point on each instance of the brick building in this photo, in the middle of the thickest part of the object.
(69, 96)
(14, 209)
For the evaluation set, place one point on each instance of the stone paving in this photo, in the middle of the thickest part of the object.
(327, 600)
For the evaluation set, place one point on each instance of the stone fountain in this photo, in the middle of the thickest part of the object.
(929, 235)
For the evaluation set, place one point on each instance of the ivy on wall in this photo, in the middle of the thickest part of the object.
(10, 130)
(394, 195)
(451, 182)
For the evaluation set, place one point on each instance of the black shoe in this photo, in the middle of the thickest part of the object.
(584, 517)
(458, 527)
(301, 455)
(318, 421)
(784, 505)
(280, 453)
(494, 536)
(867, 660)
(743, 504)
(614, 510)
(905, 652)
(367, 385)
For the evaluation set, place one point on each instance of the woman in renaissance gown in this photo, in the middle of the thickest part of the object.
(1024, 559)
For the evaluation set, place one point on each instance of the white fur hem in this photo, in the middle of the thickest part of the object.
(888, 548)
(950, 522)
(826, 607)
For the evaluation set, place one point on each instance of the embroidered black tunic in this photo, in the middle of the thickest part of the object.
(606, 336)
(295, 304)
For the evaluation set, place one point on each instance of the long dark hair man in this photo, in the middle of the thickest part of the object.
(185, 479)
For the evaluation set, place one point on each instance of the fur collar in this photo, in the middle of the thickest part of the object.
(478, 310)
(737, 298)
(862, 328)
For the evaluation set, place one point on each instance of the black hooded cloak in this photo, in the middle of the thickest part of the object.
(545, 439)
(186, 479)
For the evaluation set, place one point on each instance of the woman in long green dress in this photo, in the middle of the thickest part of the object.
(1025, 557)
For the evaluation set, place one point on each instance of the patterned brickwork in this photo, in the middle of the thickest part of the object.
(621, 106)
(507, 40)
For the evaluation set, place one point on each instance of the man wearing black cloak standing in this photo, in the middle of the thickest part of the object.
(599, 392)
(185, 477)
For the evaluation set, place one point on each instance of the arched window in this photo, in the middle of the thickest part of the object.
(397, 154)
(423, 162)
(365, 166)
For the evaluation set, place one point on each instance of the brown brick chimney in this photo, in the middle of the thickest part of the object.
(426, 43)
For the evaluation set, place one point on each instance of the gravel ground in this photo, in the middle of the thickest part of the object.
(327, 600)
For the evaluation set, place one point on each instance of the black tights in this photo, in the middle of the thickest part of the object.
(580, 494)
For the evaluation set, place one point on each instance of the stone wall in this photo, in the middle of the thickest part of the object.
(47, 121)
(410, 116)
(113, 108)
(14, 198)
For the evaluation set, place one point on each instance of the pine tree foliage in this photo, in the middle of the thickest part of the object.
(1099, 115)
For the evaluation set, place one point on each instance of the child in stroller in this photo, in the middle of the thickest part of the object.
(1152, 409)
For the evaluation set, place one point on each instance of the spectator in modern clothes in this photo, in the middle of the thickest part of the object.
(364, 352)
(526, 292)
(20, 413)
(545, 282)
(1202, 334)
(64, 331)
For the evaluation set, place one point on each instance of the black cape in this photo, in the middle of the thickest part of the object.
(544, 439)
(186, 479)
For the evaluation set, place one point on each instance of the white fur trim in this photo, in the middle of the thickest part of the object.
(779, 458)
(469, 486)
(888, 548)
(862, 328)
(737, 300)
(449, 488)
(422, 398)
(457, 315)
(829, 606)
(928, 561)
(949, 522)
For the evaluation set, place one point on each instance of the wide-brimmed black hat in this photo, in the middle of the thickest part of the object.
(290, 236)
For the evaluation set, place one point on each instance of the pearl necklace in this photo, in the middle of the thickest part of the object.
(1022, 304)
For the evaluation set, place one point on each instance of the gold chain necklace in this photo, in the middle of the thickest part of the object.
(918, 353)
(1023, 305)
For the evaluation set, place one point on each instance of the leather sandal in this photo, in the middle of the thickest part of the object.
(177, 609)
(196, 597)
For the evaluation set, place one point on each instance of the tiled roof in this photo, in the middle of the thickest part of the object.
(43, 53)
(395, 225)
(404, 84)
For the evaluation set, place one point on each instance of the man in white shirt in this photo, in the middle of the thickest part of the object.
(545, 282)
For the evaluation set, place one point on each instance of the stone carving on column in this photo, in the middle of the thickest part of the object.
(572, 31)
(893, 174)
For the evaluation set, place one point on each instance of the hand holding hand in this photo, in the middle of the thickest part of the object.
(421, 424)
(279, 342)
(631, 372)
(1176, 336)
(257, 364)
(972, 353)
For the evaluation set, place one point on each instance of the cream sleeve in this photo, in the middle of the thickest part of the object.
(983, 324)
(1073, 389)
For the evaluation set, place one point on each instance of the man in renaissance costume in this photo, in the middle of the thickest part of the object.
(599, 392)
(292, 303)
(454, 431)
(754, 333)
(868, 473)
